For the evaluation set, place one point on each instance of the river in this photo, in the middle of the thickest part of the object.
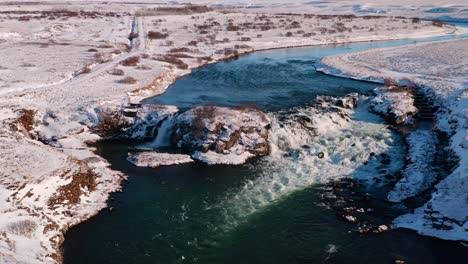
(270, 210)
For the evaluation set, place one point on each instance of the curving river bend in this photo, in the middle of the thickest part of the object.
(268, 211)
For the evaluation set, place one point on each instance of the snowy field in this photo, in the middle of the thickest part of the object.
(431, 9)
(441, 69)
(61, 63)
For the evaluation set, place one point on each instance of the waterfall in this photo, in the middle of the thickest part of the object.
(314, 145)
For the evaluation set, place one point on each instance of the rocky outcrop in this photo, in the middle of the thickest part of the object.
(394, 103)
(110, 121)
(223, 132)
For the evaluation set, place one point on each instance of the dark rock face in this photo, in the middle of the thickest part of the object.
(222, 130)
(112, 121)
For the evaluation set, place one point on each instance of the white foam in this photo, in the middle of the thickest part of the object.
(294, 163)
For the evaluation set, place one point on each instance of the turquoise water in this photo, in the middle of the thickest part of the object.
(193, 213)
(272, 79)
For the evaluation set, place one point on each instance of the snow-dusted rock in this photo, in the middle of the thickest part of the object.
(394, 103)
(232, 158)
(419, 174)
(241, 132)
(109, 120)
(154, 159)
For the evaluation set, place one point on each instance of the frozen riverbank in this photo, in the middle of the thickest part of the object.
(440, 68)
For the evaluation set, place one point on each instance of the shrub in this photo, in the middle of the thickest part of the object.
(116, 71)
(192, 43)
(289, 34)
(199, 115)
(27, 65)
(157, 35)
(242, 46)
(230, 52)
(101, 58)
(184, 49)
(127, 80)
(173, 60)
(85, 70)
(26, 119)
(390, 82)
(415, 20)
(143, 67)
(438, 23)
(232, 28)
(92, 50)
(22, 228)
(245, 39)
(181, 55)
(116, 51)
(206, 58)
(169, 43)
(132, 61)
(105, 46)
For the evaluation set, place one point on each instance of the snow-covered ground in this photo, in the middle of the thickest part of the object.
(442, 9)
(441, 70)
(62, 61)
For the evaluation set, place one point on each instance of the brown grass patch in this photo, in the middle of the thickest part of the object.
(176, 50)
(173, 60)
(26, 119)
(85, 178)
(110, 124)
(438, 23)
(157, 35)
(132, 61)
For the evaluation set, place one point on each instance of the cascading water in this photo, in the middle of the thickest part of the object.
(163, 139)
(313, 145)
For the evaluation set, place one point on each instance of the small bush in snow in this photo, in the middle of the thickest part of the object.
(132, 61)
(119, 72)
(127, 80)
(22, 228)
(157, 35)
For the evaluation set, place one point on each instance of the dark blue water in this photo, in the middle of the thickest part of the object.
(164, 216)
(175, 214)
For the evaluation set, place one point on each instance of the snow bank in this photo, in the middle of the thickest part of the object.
(212, 158)
(419, 174)
(154, 159)
(440, 70)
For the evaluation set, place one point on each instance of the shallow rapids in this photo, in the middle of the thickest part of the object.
(313, 145)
